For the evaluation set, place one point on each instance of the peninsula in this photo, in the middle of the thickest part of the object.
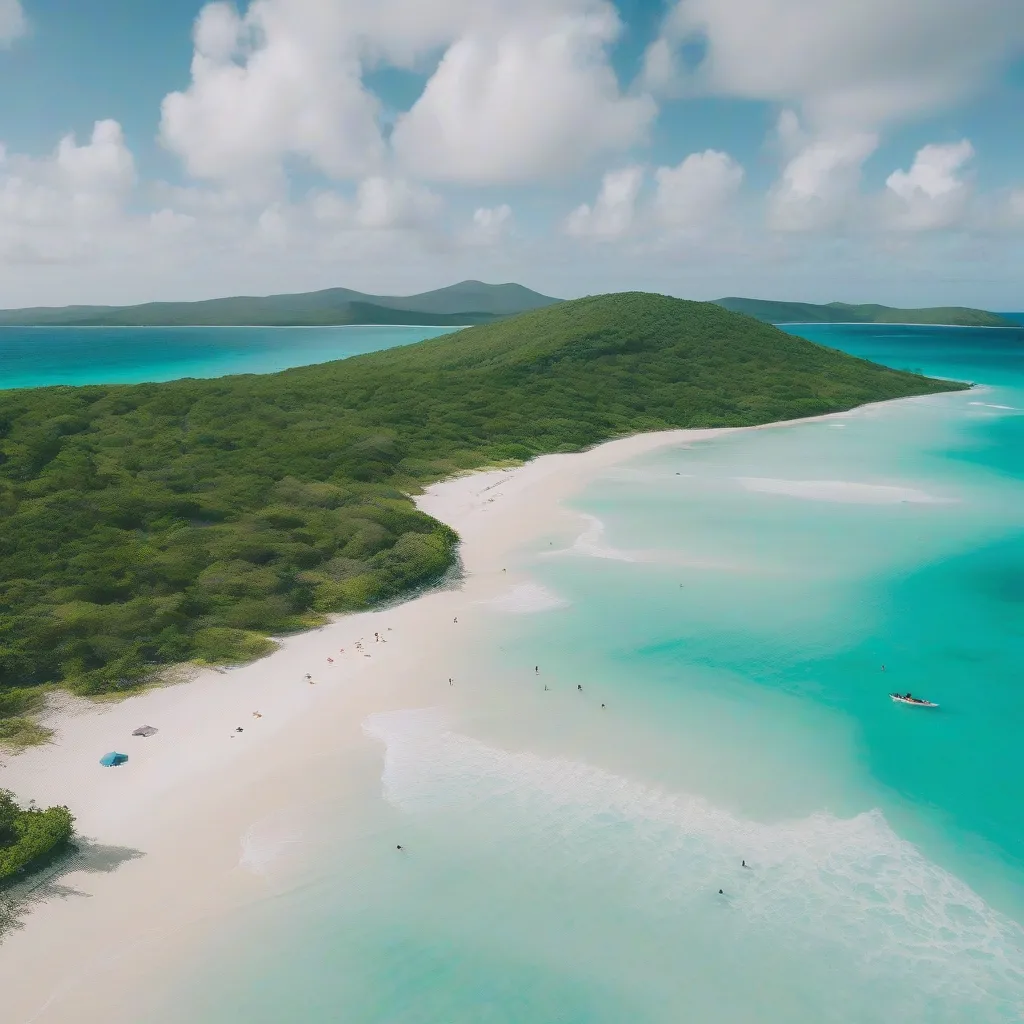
(155, 524)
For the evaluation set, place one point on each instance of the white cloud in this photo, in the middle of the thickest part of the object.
(819, 183)
(612, 214)
(170, 223)
(850, 65)
(696, 191)
(931, 194)
(490, 225)
(282, 80)
(71, 202)
(1016, 204)
(523, 89)
(383, 203)
(524, 98)
(13, 23)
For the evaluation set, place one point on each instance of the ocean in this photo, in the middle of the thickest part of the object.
(40, 356)
(731, 822)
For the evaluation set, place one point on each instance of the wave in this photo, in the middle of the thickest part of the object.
(843, 491)
(525, 599)
(268, 840)
(590, 543)
(847, 889)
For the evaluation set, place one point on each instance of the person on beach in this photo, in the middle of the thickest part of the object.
(545, 686)
(456, 620)
(743, 864)
(579, 686)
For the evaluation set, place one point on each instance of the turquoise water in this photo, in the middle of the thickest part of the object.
(39, 356)
(727, 607)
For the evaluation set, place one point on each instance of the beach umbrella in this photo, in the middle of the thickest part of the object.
(144, 730)
(113, 759)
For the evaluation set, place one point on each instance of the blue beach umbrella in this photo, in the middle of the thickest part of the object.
(113, 759)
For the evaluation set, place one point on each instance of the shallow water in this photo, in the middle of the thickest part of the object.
(727, 608)
(41, 356)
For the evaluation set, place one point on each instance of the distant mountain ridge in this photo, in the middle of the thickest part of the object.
(466, 303)
(772, 312)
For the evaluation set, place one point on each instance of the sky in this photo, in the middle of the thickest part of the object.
(814, 150)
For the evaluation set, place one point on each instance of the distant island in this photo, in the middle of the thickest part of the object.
(154, 524)
(459, 305)
(771, 312)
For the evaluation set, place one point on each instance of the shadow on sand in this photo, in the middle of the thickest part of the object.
(17, 900)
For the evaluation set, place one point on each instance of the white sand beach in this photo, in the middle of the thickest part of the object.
(166, 829)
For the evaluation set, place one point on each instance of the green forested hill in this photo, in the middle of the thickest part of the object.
(155, 523)
(772, 312)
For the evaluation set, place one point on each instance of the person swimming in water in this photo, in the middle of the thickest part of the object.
(579, 686)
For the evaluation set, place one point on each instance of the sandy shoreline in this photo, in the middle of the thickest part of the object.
(166, 827)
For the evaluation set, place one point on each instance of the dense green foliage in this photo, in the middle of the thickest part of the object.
(470, 302)
(29, 836)
(156, 523)
(840, 312)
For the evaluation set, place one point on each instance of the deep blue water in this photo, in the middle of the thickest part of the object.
(41, 356)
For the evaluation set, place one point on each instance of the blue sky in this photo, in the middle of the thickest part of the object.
(805, 149)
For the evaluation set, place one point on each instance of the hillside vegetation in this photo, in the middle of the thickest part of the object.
(157, 523)
(469, 302)
(772, 312)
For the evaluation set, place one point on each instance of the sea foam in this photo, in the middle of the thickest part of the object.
(525, 599)
(822, 883)
(840, 491)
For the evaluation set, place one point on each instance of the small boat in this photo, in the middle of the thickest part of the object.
(900, 699)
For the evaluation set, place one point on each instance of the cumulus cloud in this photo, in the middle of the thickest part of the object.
(379, 204)
(846, 64)
(383, 203)
(13, 23)
(522, 90)
(612, 214)
(66, 204)
(696, 190)
(490, 225)
(523, 99)
(1016, 204)
(819, 183)
(282, 80)
(931, 194)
